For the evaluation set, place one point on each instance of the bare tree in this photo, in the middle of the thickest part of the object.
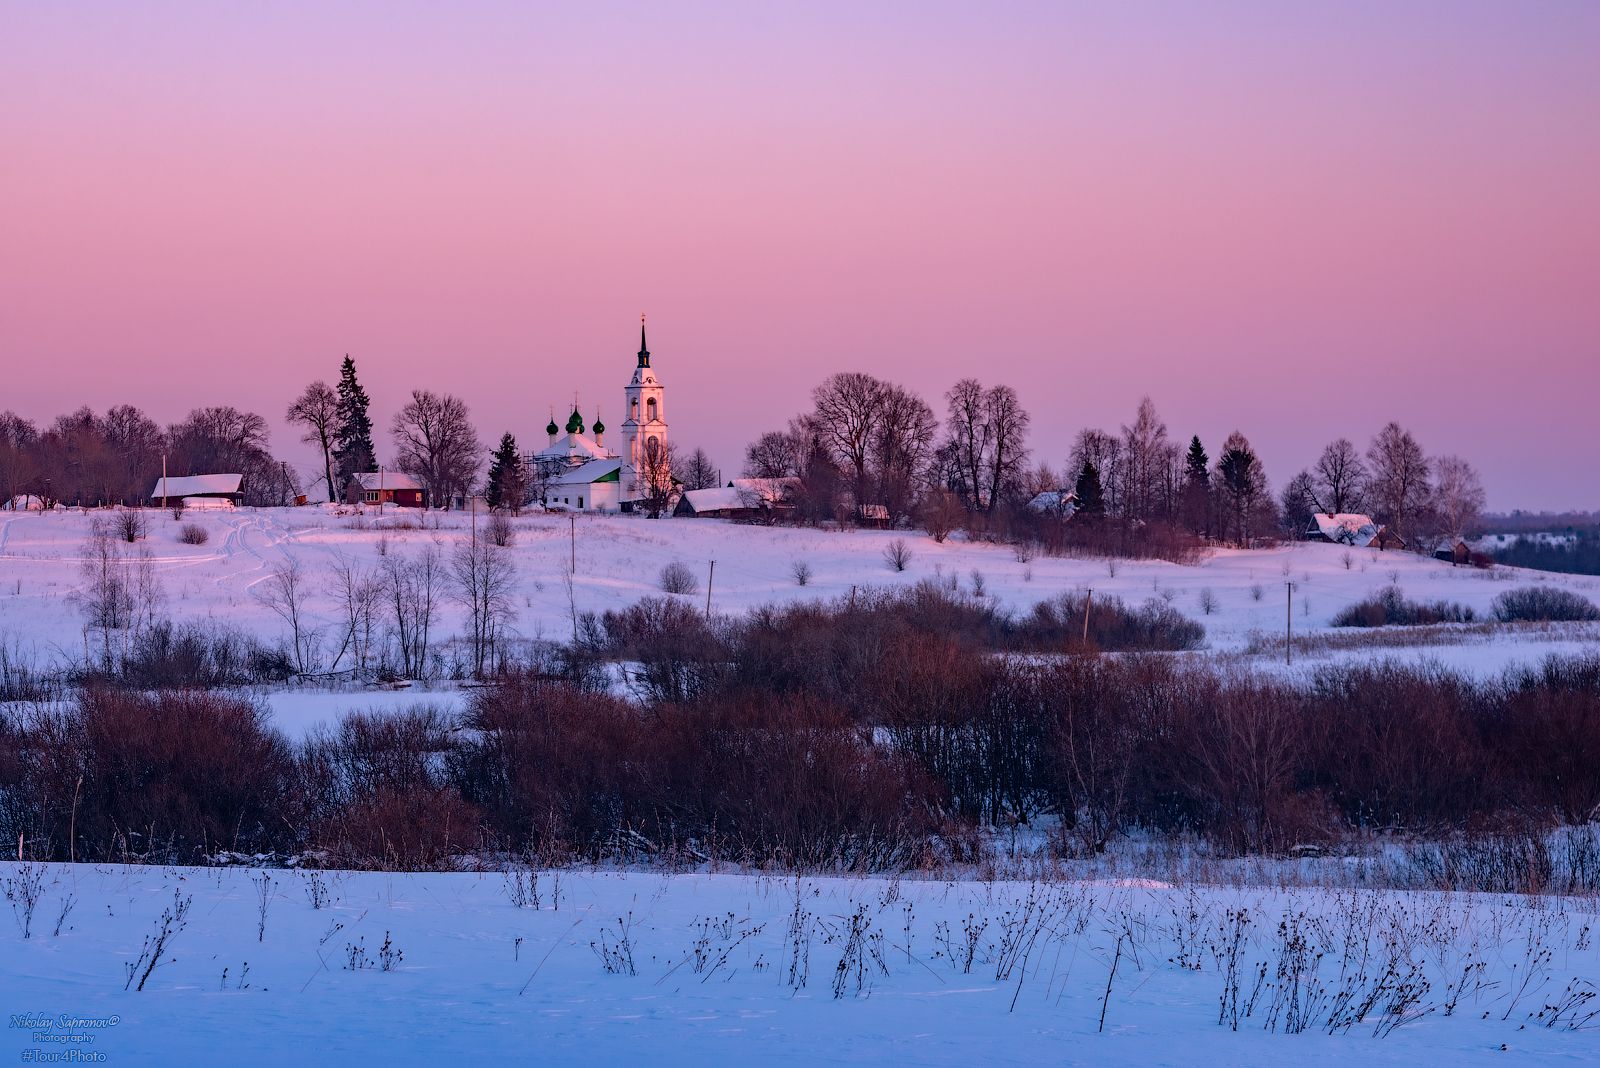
(699, 472)
(968, 442)
(357, 593)
(484, 575)
(655, 487)
(1144, 443)
(121, 591)
(411, 588)
(775, 454)
(1008, 430)
(317, 410)
(437, 444)
(902, 448)
(848, 408)
(1338, 478)
(284, 592)
(224, 439)
(1299, 502)
(1457, 494)
(19, 441)
(1397, 482)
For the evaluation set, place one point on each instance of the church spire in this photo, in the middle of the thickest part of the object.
(644, 350)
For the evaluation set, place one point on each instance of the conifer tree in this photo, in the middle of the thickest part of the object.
(507, 481)
(1197, 465)
(353, 450)
(1196, 505)
(1091, 497)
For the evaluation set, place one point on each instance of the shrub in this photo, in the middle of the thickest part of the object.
(193, 534)
(677, 578)
(500, 530)
(897, 554)
(1389, 608)
(1544, 604)
(801, 572)
(1154, 626)
(164, 777)
(130, 525)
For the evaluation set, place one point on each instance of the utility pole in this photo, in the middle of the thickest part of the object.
(1288, 623)
(711, 574)
(573, 521)
(1088, 596)
(380, 489)
(163, 481)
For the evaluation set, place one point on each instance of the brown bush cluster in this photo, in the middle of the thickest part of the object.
(877, 733)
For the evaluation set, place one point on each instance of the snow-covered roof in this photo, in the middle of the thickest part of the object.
(1346, 528)
(1063, 501)
(569, 444)
(717, 499)
(388, 480)
(584, 474)
(195, 485)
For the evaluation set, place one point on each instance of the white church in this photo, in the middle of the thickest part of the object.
(580, 473)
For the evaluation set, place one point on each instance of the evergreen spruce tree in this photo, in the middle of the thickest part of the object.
(1197, 468)
(505, 475)
(353, 450)
(1091, 497)
(1196, 506)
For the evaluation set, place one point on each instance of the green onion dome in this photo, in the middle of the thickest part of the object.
(575, 424)
(552, 429)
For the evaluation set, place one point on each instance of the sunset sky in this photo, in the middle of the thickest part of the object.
(1296, 220)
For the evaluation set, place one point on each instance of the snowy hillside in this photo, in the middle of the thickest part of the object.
(735, 969)
(619, 560)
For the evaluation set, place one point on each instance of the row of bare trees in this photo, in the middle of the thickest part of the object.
(867, 442)
(386, 617)
(1424, 499)
(90, 459)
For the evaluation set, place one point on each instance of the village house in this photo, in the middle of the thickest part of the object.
(385, 487)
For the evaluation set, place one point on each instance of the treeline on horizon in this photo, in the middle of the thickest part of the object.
(864, 449)
(887, 732)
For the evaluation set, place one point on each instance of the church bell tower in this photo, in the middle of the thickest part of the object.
(644, 431)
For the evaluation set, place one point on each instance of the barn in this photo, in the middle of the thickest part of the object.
(747, 499)
(198, 491)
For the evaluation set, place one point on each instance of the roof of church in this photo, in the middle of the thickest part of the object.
(574, 444)
(606, 470)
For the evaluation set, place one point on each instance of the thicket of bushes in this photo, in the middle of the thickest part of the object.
(1542, 604)
(1389, 608)
(876, 734)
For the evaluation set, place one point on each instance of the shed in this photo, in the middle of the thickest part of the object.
(198, 491)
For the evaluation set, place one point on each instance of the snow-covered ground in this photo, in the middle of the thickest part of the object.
(619, 560)
(704, 969)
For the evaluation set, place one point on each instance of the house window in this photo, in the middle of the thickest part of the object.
(372, 496)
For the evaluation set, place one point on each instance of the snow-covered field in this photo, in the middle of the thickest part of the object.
(619, 560)
(615, 967)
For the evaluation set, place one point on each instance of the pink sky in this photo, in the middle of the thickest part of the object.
(1300, 223)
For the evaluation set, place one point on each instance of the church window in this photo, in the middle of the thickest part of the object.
(650, 406)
